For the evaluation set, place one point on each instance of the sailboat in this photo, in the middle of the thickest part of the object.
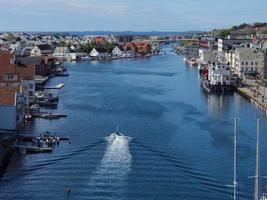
(235, 183)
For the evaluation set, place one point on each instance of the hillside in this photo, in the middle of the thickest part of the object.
(243, 29)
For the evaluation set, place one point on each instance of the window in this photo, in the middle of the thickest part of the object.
(30, 86)
(242, 63)
(11, 77)
(30, 93)
(251, 63)
(256, 63)
(246, 63)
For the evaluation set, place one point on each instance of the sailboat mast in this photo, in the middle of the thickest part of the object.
(235, 184)
(257, 169)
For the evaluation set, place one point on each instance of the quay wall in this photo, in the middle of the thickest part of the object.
(251, 99)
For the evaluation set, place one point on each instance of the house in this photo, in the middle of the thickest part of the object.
(17, 48)
(41, 49)
(62, 53)
(26, 51)
(73, 48)
(94, 53)
(225, 45)
(13, 73)
(116, 52)
(43, 64)
(143, 48)
(130, 46)
(17, 87)
(99, 40)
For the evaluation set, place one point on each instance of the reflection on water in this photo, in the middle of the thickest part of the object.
(114, 167)
(218, 103)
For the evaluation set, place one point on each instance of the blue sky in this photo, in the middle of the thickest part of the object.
(125, 15)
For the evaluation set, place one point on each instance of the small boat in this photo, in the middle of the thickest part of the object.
(41, 95)
(50, 116)
(86, 58)
(53, 115)
(47, 103)
(117, 133)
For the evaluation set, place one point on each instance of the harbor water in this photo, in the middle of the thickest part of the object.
(177, 141)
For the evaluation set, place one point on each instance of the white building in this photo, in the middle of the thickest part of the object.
(116, 52)
(248, 61)
(62, 53)
(207, 56)
(41, 49)
(219, 74)
(94, 53)
(225, 45)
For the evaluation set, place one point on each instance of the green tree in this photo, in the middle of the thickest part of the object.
(224, 33)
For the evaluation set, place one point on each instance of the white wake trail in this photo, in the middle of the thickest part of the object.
(112, 171)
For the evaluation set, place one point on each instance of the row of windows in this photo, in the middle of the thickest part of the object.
(252, 63)
(11, 77)
(247, 69)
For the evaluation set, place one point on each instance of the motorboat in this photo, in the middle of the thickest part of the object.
(42, 95)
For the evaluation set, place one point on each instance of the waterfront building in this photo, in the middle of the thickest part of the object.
(41, 49)
(14, 74)
(191, 50)
(116, 52)
(12, 107)
(207, 56)
(248, 61)
(26, 51)
(219, 74)
(94, 53)
(225, 45)
(42, 64)
(62, 53)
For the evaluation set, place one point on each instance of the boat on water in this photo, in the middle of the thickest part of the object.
(53, 115)
(44, 95)
(47, 103)
(86, 58)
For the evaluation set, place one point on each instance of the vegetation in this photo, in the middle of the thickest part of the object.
(106, 47)
(224, 33)
(256, 26)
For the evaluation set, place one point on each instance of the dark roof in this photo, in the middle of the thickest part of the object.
(35, 60)
(44, 47)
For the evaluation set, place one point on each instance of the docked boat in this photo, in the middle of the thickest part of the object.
(53, 115)
(86, 58)
(43, 95)
(48, 103)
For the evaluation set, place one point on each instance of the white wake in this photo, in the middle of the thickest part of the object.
(112, 171)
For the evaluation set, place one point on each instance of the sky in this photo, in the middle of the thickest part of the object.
(128, 15)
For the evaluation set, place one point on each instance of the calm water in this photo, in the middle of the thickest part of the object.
(177, 143)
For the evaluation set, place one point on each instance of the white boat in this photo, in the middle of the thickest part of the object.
(86, 58)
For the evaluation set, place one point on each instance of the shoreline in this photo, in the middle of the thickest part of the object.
(245, 94)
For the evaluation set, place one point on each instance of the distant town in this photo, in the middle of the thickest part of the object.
(228, 60)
